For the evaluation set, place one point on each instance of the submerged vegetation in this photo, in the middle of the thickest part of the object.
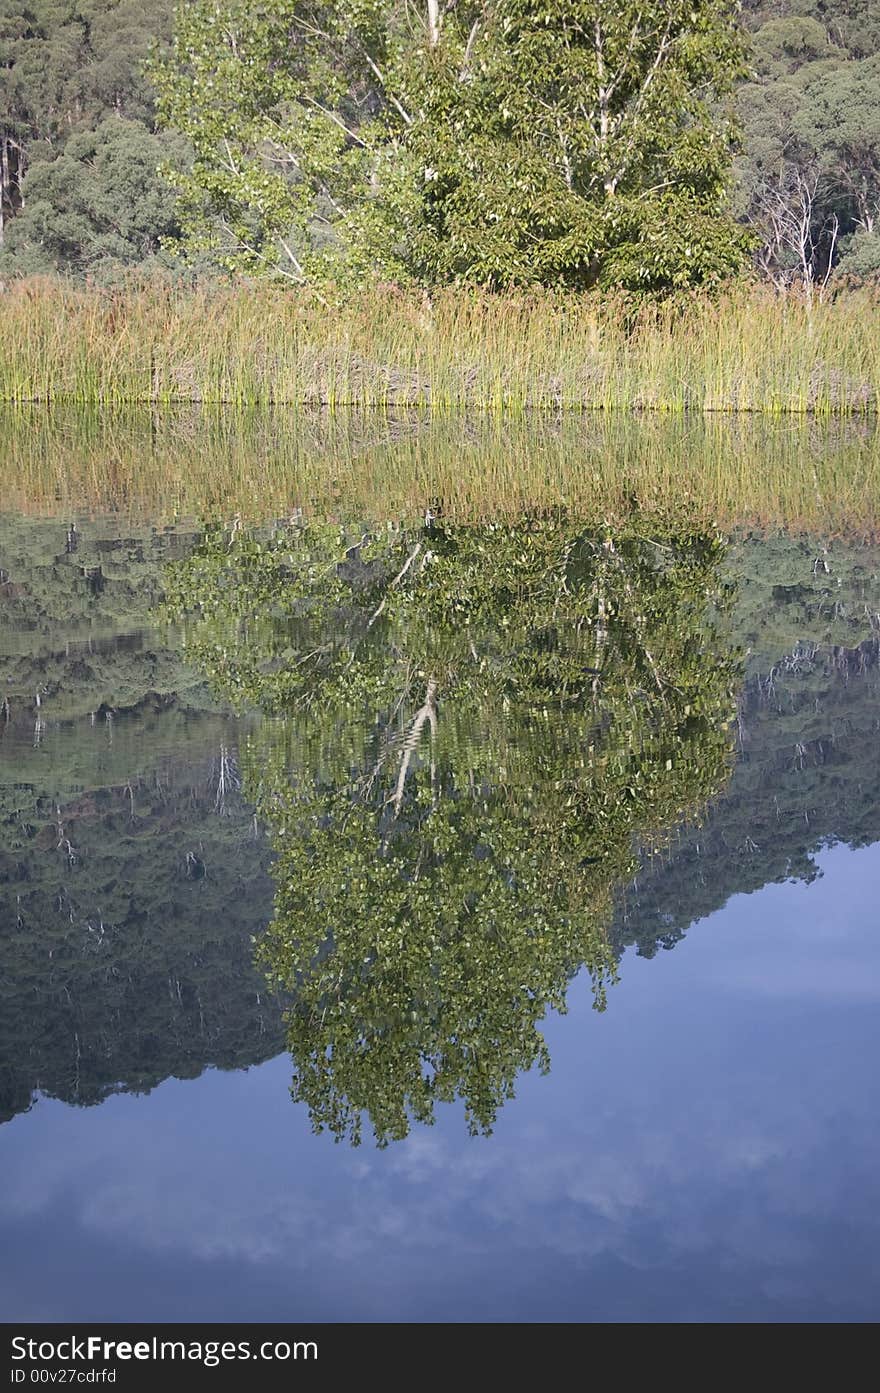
(748, 351)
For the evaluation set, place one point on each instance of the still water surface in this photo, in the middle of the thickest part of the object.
(332, 832)
(707, 1149)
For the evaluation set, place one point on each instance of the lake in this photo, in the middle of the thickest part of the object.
(438, 869)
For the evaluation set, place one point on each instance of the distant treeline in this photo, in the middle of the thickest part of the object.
(88, 119)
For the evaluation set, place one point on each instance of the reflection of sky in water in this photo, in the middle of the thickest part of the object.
(707, 1149)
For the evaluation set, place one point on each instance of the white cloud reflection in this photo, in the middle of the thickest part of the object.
(707, 1118)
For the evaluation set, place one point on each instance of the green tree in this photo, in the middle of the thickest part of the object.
(474, 724)
(809, 173)
(839, 118)
(507, 143)
(65, 67)
(852, 26)
(97, 206)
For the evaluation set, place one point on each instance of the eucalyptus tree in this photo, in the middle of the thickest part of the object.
(96, 207)
(505, 143)
(467, 729)
(839, 118)
(809, 172)
(66, 68)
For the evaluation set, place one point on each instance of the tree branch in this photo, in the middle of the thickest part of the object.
(427, 713)
(396, 581)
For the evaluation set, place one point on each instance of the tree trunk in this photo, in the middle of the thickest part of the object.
(10, 179)
(434, 22)
(426, 713)
(4, 181)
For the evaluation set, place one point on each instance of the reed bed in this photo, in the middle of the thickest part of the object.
(799, 473)
(257, 346)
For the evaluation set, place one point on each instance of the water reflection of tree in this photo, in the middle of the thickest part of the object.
(475, 725)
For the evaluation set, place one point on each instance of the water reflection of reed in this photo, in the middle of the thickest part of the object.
(803, 473)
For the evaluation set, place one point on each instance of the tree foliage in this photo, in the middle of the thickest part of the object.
(809, 174)
(97, 207)
(506, 143)
(473, 724)
(69, 69)
(503, 142)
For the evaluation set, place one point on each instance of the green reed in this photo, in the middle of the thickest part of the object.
(255, 345)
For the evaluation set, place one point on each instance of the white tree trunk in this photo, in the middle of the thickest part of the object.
(434, 22)
(4, 181)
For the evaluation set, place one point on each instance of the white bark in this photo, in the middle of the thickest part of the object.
(434, 22)
(4, 179)
(426, 714)
(396, 581)
(788, 208)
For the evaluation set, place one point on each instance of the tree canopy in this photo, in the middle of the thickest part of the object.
(97, 206)
(78, 137)
(508, 144)
(474, 724)
(638, 145)
(809, 171)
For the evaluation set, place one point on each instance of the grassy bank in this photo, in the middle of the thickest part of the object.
(821, 476)
(257, 346)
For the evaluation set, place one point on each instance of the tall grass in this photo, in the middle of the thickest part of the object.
(801, 473)
(257, 346)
